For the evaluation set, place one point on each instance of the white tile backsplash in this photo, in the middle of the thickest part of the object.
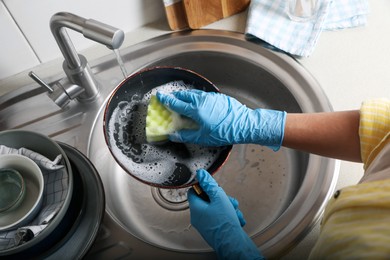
(15, 53)
(33, 16)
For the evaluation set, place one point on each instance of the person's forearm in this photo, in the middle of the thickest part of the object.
(333, 134)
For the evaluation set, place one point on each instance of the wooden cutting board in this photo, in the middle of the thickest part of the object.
(195, 14)
(176, 15)
(203, 12)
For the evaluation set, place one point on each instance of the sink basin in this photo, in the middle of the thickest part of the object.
(282, 194)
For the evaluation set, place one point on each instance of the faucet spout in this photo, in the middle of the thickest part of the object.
(76, 66)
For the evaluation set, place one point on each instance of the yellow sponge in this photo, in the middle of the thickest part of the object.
(160, 121)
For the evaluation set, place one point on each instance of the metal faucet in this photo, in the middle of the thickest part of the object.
(80, 81)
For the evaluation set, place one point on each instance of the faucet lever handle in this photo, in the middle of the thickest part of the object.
(40, 81)
(56, 92)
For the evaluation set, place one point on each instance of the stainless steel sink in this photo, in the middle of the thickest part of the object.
(282, 194)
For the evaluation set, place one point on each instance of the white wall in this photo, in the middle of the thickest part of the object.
(26, 39)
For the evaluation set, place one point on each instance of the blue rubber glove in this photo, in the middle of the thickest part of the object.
(223, 120)
(219, 221)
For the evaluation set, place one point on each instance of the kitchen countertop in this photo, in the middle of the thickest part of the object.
(351, 65)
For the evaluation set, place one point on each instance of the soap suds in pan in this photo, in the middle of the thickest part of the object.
(168, 165)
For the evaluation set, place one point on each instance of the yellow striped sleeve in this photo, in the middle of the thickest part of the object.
(356, 224)
(374, 128)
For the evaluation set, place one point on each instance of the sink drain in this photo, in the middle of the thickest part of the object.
(171, 199)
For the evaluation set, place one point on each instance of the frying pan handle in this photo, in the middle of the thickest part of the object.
(200, 192)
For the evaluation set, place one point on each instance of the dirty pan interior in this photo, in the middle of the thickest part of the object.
(167, 165)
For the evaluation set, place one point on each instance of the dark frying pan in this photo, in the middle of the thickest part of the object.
(171, 165)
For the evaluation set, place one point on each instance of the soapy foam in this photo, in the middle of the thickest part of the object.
(171, 164)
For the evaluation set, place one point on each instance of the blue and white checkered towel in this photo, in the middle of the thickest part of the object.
(268, 21)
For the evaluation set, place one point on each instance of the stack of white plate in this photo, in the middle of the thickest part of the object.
(82, 209)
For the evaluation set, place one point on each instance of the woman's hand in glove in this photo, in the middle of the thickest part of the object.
(223, 120)
(219, 221)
